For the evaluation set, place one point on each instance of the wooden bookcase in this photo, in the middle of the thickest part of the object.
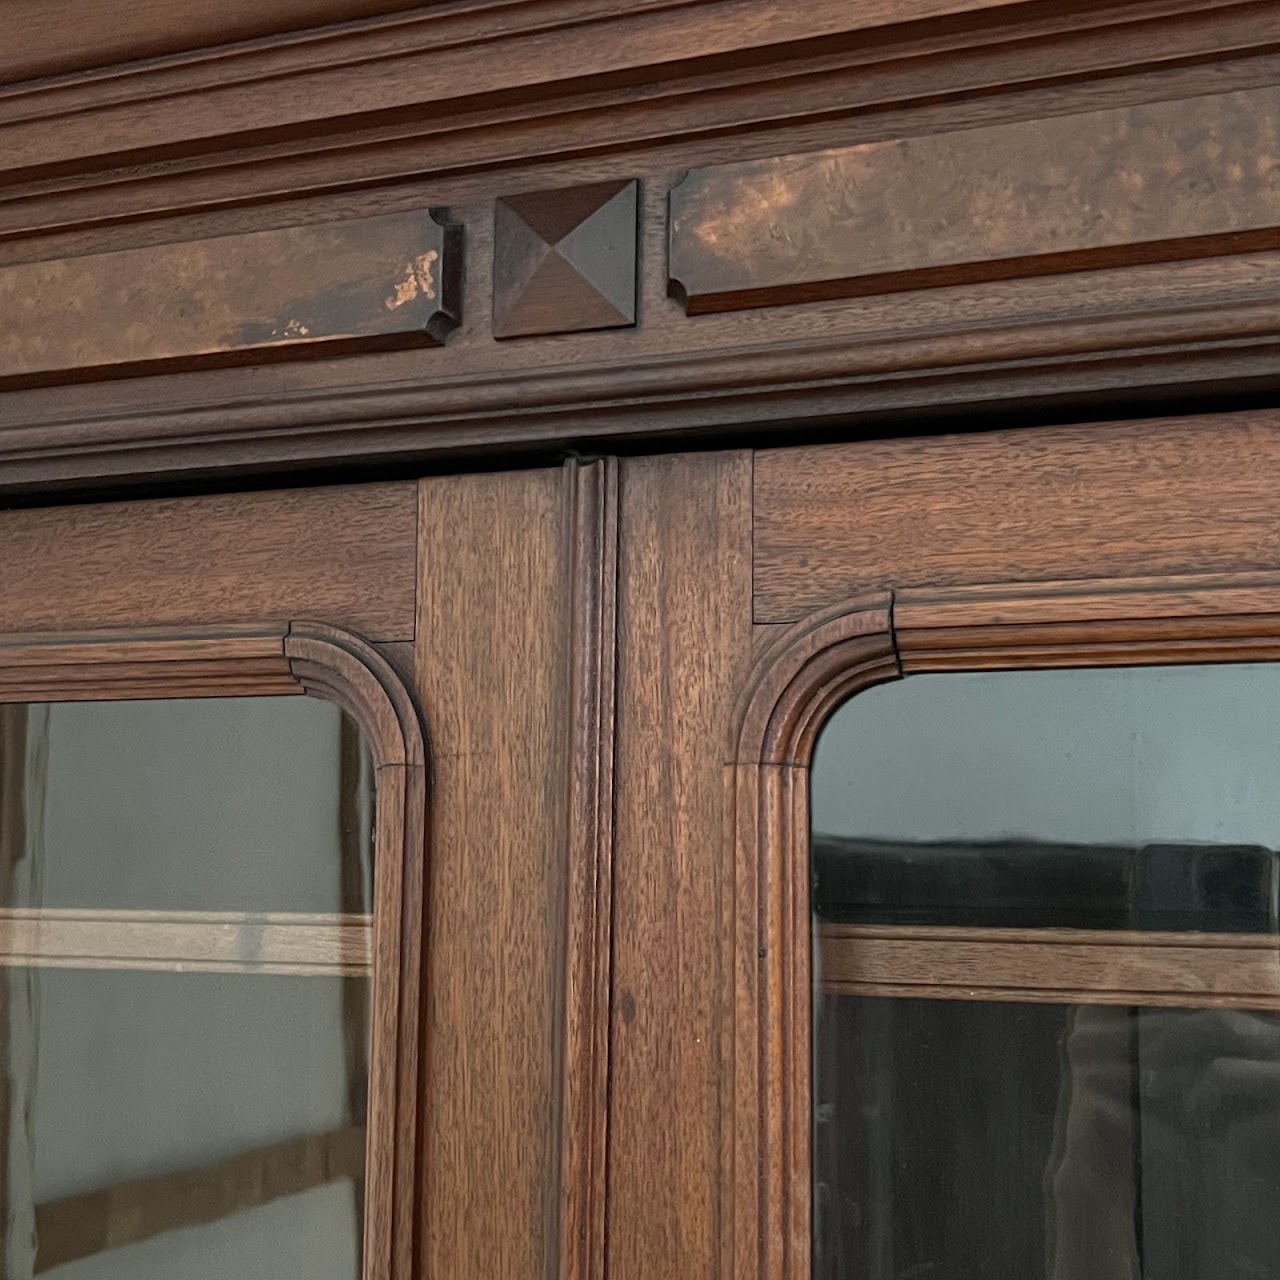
(589, 399)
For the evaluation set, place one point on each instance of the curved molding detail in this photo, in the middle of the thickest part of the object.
(806, 673)
(342, 668)
(796, 683)
(793, 687)
(339, 666)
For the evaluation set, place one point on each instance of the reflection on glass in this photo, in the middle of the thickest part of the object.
(185, 899)
(1111, 1135)
(1130, 798)
(1073, 1142)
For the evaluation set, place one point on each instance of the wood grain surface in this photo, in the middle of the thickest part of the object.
(493, 668)
(684, 644)
(142, 663)
(589, 881)
(1055, 965)
(49, 37)
(347, 555)
(1171, 496)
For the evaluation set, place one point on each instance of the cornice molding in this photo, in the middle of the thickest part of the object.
(483, 86)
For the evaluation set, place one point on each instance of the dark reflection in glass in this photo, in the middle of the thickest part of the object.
(981, 1141)
(1031, 883)
(1139, 798)
(1102, 1137)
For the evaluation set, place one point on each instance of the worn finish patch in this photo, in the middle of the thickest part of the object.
(370, 282)
(1136, 184)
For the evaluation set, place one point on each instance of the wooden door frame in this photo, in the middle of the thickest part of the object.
(802, 677)
(339, 667)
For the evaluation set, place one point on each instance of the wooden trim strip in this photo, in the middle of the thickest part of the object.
(1192, 618)
(342, 668)
(593, 557)
(188, 941)
(416, 63)
(1217, 598)
(1054, 965)
(112, 665)
(80, 1226)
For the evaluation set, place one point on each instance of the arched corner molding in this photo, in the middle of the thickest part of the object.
(326, 662)
(831, 654)
(341, 667)
(222, 661)
(798, 679)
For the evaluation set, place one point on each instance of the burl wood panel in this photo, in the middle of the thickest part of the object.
(1171, 496)
(493, 672)
(364, 284)
(684, 643)
(346, 555)
(1141, 183)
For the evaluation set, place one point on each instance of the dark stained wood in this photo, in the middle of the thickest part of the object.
(347, 555)
(334, 664)
(366, 283)
(797, 676)
(1172, 496)
(53, 37)
(493, 672)
(92, 1222)
(1057, 965)
(664, 96)
(565, 261)
(903, 78)
(1143, 183)
(505, 54)
(804, 673)
(903, 81)
(1122, 333)
(684, 645)
(589, 887)
(331, 663)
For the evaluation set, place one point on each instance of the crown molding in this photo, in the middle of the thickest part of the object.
(485, 85)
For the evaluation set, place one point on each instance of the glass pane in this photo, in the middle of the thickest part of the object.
(185, 924)
(1139, 798)
(1109, 1135)
(971, 1141)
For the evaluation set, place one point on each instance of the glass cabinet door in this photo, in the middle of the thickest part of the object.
(185, 934)
(1047, 977)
